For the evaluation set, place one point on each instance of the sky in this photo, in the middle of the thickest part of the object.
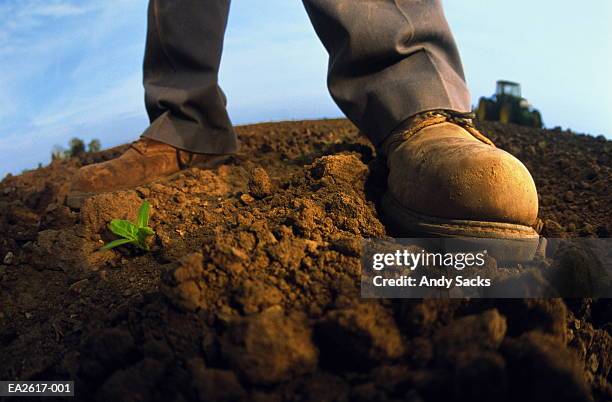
(72, 68)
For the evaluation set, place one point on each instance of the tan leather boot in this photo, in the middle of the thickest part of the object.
(447, 179)
(145, 161)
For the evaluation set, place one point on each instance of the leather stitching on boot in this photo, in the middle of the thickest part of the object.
(435, 117)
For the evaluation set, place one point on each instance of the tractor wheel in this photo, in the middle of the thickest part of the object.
(505, 114)
(537, 119)
(482, 113)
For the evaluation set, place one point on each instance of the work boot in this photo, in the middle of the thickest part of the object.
(447, 179)
(145, 161)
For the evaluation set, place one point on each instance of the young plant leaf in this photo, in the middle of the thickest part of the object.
(143, 214)
(123, 228)
(136, 234)
(116, 243)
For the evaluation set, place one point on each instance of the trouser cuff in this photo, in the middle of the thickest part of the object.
(191, 137)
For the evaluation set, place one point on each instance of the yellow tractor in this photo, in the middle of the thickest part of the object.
(508, 106)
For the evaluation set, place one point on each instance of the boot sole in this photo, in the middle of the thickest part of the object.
(520, 245)
(75, 200)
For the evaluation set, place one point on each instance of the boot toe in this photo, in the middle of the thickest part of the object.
(461, 179)
(494, 186)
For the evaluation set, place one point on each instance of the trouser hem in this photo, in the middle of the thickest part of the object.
(426, 84)
(191, 137)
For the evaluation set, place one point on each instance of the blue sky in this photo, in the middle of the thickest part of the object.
(73, 67)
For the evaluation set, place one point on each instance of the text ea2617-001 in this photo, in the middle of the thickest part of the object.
(36, 388)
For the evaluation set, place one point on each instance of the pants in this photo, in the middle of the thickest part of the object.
(388, 60)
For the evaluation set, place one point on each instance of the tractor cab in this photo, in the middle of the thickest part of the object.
(508, 88)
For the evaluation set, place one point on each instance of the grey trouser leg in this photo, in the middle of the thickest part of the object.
(185, 104)
(389, 60)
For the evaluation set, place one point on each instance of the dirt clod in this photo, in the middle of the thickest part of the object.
(554, 373)
(269, 347)
(376, 338)
(98, 211)
(466, 334)
(260, 185)
(215, 385)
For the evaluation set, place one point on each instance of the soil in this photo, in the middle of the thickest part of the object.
(251, 289)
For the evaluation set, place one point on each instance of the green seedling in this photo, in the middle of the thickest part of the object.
(135, 234)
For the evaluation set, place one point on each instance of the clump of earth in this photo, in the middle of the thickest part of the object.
(251, 289)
